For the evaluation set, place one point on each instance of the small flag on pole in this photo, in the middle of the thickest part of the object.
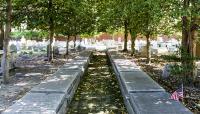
(178, 94)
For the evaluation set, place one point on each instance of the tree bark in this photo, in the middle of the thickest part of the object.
(148, 55)
(187, 45)
(51, 31)
(67, 45)
(133, 38)
(1, 35)
(5, 58)
(75, 42)
(125, 36)
(193, 38)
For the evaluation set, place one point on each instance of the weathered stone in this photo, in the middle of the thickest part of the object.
(112, 52)
(62, 73)
(85, 53)
(77, 62)
(13, 48)
(117, 57)
(166, 71)
(39, 103)
(124, 62)
(73, 67)
(138, 81)
(127, 68)
(156, 103)
(61, 82)
(81, 58)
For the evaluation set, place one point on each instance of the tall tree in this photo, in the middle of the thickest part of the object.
(51, 29)
(1, 23)
(1, 35)
(190, 24)
(5, 58)
(152, 15)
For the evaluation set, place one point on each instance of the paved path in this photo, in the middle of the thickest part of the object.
(98, 92)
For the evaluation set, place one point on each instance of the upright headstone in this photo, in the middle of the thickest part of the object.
(13, 48)
(166, 71)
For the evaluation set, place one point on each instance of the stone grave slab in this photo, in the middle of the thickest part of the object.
(56, 84)
(124, 62)
(73, 67)
(126, 65)
(64, 73)
(156, 103)
(39, 103)
(78, 62)
(127, 68)
(112, 52)
(85, 53)
(139, 81)
(81, 58)
(117, 57)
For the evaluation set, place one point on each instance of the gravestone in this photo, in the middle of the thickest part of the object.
(13, 48)
(127, 68)
(139, 81)
(156, 103)
(39, 103)
(30, 47)
(61, 82)
(56, 50)
(73, 67)
(166, 71)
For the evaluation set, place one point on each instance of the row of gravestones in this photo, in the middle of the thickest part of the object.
(141, 94)
(53, 95)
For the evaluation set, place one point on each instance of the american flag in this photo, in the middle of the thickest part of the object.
(178, 94)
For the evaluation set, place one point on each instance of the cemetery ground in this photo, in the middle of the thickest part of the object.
(98, 91)
(27, 74)
(155, 69)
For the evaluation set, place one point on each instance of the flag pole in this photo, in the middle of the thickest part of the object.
(183, 93)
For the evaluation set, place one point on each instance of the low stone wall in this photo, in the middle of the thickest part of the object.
(54, 94)
(141, 94)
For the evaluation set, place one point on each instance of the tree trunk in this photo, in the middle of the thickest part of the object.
(51, 31)
(148, 55)
(5, 59)
(125, 36)
(193, 38)
(187, 45)
(1, 35)
(75, 42)
(133, 38)
(67, 46)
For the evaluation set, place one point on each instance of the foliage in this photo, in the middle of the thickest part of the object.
(33, 35)
(177, 68)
